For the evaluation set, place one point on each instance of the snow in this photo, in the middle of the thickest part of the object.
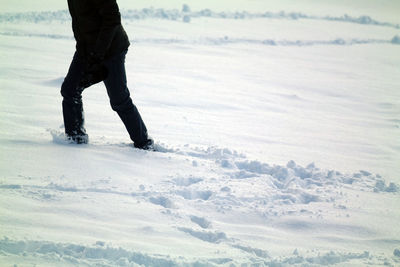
(276, 125)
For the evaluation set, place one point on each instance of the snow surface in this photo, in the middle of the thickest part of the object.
(277, 127)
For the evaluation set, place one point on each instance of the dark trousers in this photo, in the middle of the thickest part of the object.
(118, 93)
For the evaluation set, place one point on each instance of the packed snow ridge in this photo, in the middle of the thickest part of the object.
(185, 15)
(100, 254)
(226, 40)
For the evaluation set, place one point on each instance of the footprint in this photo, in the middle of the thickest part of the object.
(200, 221)
(212, 237)
(163, 201)
(191, 195)
(187, 181)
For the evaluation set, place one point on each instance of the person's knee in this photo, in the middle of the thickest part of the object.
(69, 91)
(66, 91)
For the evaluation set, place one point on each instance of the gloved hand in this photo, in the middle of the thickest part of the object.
(95, 71)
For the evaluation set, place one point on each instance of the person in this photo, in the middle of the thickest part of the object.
(101, 47)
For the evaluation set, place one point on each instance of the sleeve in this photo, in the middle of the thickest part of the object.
(111, 20)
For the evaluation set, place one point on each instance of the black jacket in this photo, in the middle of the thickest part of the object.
(97, 27)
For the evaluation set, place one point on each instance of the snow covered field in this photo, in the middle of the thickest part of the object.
(277, 127)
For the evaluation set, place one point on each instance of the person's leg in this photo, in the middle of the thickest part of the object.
(72, 102)
(121, 101)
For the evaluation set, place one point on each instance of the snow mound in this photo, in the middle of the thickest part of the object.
(279, 185)
(82, 255)
(101, 254)
(396, 40)
(211, 237)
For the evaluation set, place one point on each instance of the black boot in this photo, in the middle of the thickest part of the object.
(81, 138)
(146, 145)
(74, 120)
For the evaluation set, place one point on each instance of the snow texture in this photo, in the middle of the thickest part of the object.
(276, 137)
